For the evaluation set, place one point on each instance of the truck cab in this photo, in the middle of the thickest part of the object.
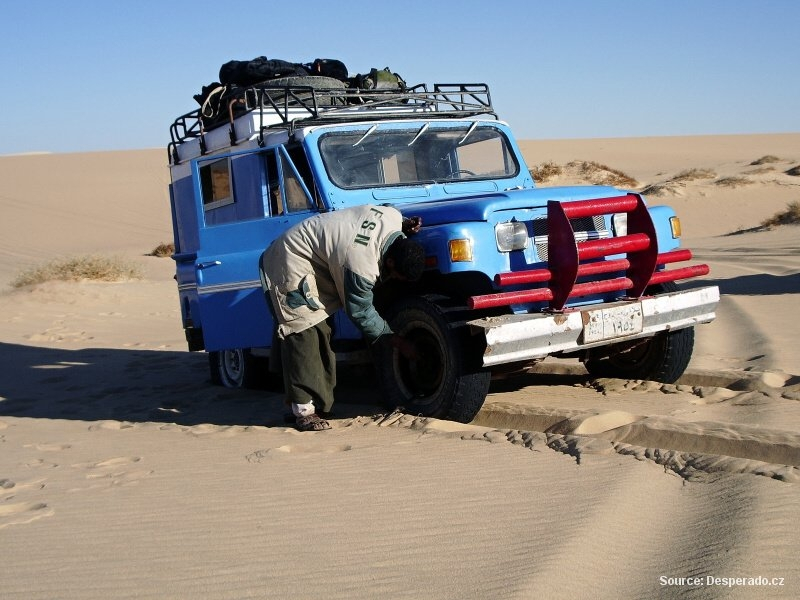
(514, 272)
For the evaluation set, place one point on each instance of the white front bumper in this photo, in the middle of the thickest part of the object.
(513, 338)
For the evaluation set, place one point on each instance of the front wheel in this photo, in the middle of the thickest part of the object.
(663, 357)
(446, 380)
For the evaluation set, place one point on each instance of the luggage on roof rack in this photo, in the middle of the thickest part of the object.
(250, 72)
(220, 103)
(291, 101)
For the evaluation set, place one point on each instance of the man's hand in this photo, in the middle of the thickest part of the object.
(404, 347)
(412, 225)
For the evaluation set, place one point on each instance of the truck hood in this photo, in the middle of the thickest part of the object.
(489, 207)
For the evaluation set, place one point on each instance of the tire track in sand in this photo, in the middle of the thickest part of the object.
(642, 524)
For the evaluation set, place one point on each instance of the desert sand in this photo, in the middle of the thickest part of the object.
(125, 474)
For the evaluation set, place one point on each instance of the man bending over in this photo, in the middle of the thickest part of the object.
(329, 261)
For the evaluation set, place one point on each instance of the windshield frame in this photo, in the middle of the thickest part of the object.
(416, 153)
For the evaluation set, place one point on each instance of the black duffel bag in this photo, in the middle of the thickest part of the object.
(250, 72)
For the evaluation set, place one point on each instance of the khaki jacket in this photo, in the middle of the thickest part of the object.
(329, 261)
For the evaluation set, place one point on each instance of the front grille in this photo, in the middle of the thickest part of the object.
(586, 228)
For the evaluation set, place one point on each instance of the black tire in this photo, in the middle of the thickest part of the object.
(662, 358)
(447, 381)
(314, 81)
(317, 82)
(236, 368)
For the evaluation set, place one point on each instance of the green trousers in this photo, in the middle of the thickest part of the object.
(309, 367)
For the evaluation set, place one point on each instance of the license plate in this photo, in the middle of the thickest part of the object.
(609, 323)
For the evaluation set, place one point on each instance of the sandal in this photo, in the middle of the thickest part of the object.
(290, 419)
(311, 423)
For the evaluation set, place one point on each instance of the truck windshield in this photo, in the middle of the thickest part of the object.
(381, 156)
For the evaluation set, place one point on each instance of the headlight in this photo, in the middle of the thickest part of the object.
(460, 250)
(511, 236)
(620, 223)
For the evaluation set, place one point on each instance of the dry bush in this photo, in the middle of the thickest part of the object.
(790, 216)
(693, 175)
(545, 172)
(163, 250)
(794, 171)
(94, 268)
(760, 170)
(658, 189)
(673, 183)
(600, 174)
(769, 158)
(732, 182)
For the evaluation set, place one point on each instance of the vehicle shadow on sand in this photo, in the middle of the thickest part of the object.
(162, 386)
(762, 284)
(96, 384)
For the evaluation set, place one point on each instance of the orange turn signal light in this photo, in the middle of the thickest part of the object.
(461, 250)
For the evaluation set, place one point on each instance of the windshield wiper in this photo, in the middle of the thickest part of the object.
(366, 135)
(469, 132)
(422, 130)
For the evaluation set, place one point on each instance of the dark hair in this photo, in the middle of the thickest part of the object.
(408, 257)
(329, 67)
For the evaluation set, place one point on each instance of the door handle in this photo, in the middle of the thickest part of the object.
(206, 265)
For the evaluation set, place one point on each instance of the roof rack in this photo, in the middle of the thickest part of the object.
(287, 106)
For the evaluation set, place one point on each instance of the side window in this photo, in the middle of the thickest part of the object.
(298, 157)
(287, 191)
(296, 198)
(276, 207)
(215, 182)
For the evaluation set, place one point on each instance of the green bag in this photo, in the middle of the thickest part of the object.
(379, 79)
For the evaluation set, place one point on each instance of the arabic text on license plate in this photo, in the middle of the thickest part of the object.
(608, 323)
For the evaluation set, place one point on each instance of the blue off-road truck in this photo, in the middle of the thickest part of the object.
(514, 273)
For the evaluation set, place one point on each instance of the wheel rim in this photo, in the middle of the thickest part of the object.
(421, 378)
(231, 366)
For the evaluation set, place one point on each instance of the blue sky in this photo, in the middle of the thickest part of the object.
(89, 75)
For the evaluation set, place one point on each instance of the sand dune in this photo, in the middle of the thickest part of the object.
(56, 204)
(125, 474)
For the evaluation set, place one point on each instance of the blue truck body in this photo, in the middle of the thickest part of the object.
(441, 155)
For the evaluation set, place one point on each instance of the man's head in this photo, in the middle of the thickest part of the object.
(405, 259)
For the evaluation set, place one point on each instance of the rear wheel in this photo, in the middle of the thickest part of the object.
(663, 357)
(446, 380)
(236, 368)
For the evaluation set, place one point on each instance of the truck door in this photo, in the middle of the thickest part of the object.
(248, 199)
